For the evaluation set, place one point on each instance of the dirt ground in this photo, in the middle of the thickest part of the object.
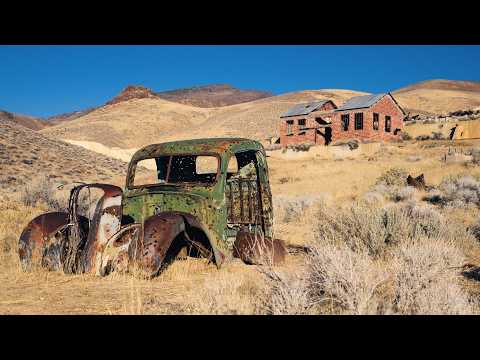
(339, 178)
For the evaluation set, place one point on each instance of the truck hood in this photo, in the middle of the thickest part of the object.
(147, 202)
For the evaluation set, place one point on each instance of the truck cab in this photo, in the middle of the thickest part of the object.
(203, 197)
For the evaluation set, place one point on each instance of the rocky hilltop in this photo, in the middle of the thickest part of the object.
(57, 119)
(132, 92)
(215, 95)
(24, 120)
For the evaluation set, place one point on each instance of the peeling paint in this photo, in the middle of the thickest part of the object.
(142, 223)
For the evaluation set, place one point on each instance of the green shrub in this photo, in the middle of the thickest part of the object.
(300, 147)
(422, 137)
(406, 136)
(393, 176)
(437, 136)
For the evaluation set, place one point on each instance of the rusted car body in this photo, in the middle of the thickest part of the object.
(220, 213)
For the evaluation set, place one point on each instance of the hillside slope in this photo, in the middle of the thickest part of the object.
(256, 119)
(137, 122)
(215, 95)
(26, 155)
(207, 96)
(129, 123)
(439, 96)
(58, 119)
(137, 117)
(23, 120)
(442, 84)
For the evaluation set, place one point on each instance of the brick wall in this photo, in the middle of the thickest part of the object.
(309, 136)
(386, 106)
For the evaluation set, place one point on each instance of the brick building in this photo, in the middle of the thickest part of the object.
(370, 117)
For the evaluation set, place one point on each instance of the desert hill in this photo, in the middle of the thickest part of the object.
(256, 119)
(132, 92)
(215, 95)
(137, 116)
(26, 155)
(207, 96)
(24, 120)
(136, 122)
(441, 84)
(58, 119)
(129, 123)
(439, 96)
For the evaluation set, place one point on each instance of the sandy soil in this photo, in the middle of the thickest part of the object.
(336, 175)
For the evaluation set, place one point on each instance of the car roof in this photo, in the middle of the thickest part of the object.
(207, 145)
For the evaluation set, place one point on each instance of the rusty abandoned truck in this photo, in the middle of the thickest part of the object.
(203, 198)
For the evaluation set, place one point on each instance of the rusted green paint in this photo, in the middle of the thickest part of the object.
(206, 202)
(152, 215)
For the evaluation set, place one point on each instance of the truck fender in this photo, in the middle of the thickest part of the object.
(41, 241)
(159, 231)
(255, 248)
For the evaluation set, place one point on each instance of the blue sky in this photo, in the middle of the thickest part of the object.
(46, 80)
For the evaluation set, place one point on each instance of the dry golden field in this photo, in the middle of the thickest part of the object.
(467, 129)
(130, 123)
(26, 155)
(437, 101)
(376, 245)
(326, 198)
(138, 122)
(439, 96)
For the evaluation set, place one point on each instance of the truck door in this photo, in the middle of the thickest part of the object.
(249, 199)
(266, 194)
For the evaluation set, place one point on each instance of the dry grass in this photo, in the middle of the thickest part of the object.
(189, 286)
(392, 255)
(138, 122)
(129, 124)
(226, 293)
(352, 270)
(344, 281)
(13, 217)
(393, 176)
(293, 208)
(26, 156)
(426, 279)
(438, 100)
(459, 191)
(293, 214)
(363, 227)
(42, 190)
(475, 230)
(391, 260)
(288, 294)
(435, 131)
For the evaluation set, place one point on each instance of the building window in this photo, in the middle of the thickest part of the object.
(358, 121)
(289, 127)
(345, 122)
(375, 121)
(388, 124)
(302, 124)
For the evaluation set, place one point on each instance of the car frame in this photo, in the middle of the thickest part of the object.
(146, 227)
